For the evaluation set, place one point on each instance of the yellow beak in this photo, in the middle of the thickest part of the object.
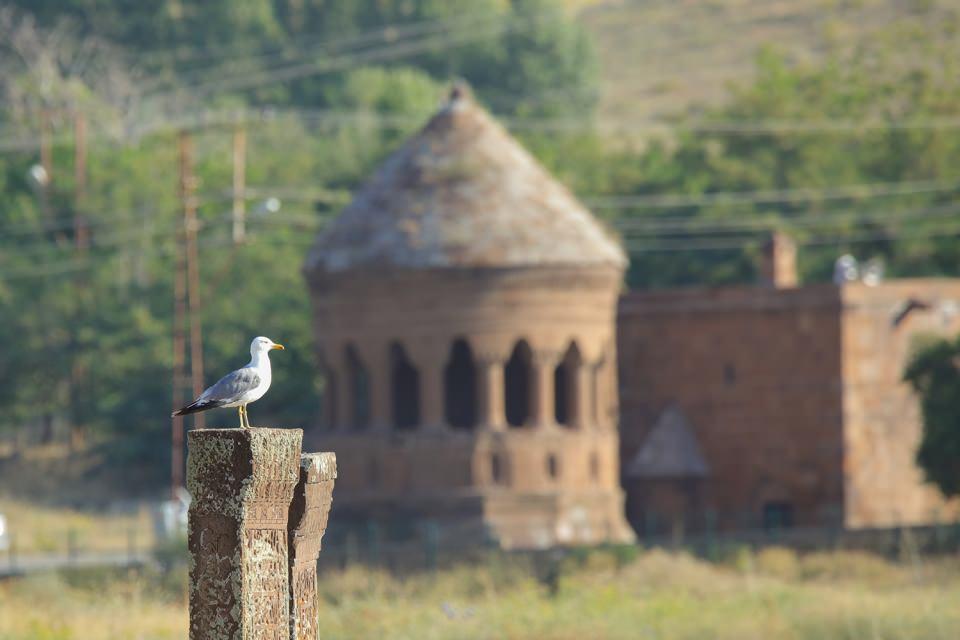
(277, 346)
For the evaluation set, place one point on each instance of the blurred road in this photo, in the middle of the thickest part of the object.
(24, 565)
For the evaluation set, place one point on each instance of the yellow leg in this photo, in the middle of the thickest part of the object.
(240, 413)
(246, 416)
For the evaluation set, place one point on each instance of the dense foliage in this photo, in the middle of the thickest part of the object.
(335, 85)
(934, 372)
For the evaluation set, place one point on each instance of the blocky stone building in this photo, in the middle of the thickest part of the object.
(467, 320)
(777, 404)
(464, 307)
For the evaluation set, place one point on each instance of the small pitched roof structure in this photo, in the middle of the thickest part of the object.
(463, 193)
(669, 451)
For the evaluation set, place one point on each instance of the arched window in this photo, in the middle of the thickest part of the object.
(359, 384)
(561, 394)
(497, 473)
(328, 395)
(596, 391)
(460, 387)
(516, 381)
(565, 383)
(594, 466)
(328, 400)
(553, 467)
(404, 389)
(729, 374)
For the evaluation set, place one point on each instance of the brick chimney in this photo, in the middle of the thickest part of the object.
(778, 267)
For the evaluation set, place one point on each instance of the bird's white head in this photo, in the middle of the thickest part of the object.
(261, 345)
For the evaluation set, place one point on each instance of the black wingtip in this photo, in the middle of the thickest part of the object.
(195, 407)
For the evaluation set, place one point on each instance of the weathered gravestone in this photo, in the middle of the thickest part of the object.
(241, 482)
(308, 521)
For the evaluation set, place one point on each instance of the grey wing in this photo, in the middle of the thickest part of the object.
(232, 386)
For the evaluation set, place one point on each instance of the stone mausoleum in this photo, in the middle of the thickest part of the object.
(780, 404)
(464, 307)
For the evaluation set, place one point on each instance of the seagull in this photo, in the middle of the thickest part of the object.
(241, 387)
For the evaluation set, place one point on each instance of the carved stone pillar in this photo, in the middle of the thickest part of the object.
(344, 391)
(241, 482)
(542, 388)
(431, 390)
(307, 523)
(612, 390)
(581, 379)
(376, 357)
(430, 359)
(490, 397)
(598, 403)
(332, 409)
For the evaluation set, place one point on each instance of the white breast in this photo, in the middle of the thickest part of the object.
(258, 392)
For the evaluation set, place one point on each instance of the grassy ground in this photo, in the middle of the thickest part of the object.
(41, 530)
(771, 595)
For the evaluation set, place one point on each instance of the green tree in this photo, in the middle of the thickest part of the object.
(855, 103)
(934, 373)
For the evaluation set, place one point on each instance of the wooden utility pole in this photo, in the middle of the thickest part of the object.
(81, 238)
(188, 183)
(179, 355)
(46, 143)
(45, 185)
(81, 234)
(176, 426)
(239, 183)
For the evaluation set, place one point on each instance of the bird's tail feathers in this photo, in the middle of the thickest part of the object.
(195, 406)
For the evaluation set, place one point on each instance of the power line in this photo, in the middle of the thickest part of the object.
(685, 245)
(306, 42)
(722, 228)
(671, 200)
(719, 227)
(389, 35)
(631, 227)
(313, 68)
(36, 229)
(771, 196)
(700, 226)
(266, 115)
(682, 224)
(166, 248)
(693, 246)
(206, 118)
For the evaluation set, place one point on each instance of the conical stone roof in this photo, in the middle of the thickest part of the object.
(463, 193)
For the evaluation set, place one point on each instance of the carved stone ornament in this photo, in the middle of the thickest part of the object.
(308, 521)
(241, 482)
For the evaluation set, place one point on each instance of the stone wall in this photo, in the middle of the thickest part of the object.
(491, 309)
(756, 372)
(882, 422)
(534, 481)
(795, 395)
(524, 487)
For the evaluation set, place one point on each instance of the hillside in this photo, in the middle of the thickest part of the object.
(659, 57)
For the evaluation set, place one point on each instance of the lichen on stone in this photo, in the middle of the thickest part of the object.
(230, 472)
(319, 466)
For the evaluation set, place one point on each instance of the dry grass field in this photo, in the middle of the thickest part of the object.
(50, 530)
(771, 595)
